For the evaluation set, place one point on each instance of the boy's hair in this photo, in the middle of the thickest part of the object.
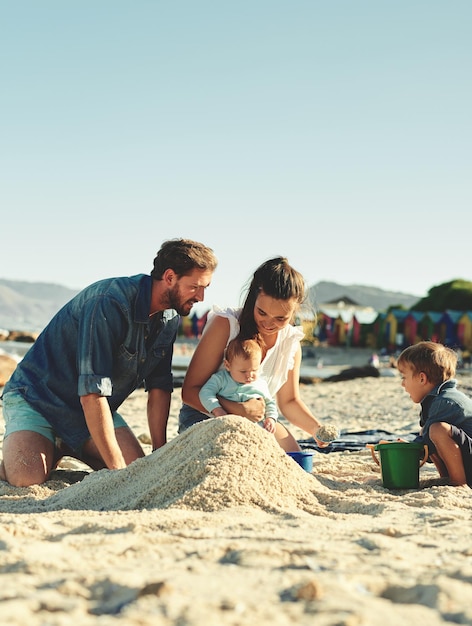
(437, 361)
(245, 348)
(183, 256)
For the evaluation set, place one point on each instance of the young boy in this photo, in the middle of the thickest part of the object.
(428, 371)
(239, 381)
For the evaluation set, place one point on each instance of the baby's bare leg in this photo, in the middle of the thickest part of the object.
(449, 452)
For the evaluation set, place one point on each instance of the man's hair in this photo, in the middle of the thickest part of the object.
(245, 348)
(437, 361)
(183, 256)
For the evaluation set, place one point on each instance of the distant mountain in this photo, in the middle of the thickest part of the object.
(30, 306)
(379, 299)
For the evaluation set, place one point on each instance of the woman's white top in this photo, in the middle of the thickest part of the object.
(279, 360)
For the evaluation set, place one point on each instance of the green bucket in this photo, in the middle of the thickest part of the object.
(400, 463)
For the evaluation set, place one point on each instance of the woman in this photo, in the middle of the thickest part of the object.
(275, 294)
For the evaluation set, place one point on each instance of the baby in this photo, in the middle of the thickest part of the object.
(239, 381)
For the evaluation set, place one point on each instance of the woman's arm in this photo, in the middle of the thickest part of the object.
(252, 409)
(205, 361)
(290, 403)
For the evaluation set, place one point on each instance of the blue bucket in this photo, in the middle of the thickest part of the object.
(304, 459)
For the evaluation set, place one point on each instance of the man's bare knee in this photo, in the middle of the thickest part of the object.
(3, 476)
(27, 458)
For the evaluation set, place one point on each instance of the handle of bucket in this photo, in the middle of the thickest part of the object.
(426, 455)
(372, 451)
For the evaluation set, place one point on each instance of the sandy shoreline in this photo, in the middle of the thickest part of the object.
(222, 528)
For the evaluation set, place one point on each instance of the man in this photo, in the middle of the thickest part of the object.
(110, 338)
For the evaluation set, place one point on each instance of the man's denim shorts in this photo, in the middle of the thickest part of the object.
(19, 415)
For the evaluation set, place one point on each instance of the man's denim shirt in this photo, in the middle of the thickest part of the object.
(103, 342)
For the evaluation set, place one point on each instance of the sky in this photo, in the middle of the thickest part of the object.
(337, 133)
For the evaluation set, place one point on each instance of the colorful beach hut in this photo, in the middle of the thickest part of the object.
(464, 331)
(448, 327)
(342, 329)
(326, 325)
(410, 326)
(430, 326)
(377, 330)
(186, 326)
(394, 328)
(362, 322)
(202, 323)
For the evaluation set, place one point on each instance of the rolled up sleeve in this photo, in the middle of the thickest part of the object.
(95, 384)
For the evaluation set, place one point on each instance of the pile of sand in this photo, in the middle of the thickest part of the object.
(217, 464)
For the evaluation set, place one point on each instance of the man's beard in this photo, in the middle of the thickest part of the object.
(175, 301)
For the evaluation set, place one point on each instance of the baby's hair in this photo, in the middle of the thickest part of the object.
(246, 348)
(437, 361)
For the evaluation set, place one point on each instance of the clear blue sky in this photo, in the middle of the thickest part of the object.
(337, 133)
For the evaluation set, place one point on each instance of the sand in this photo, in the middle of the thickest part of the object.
(220, 527)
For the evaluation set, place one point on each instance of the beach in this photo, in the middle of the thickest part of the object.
(220, 527)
